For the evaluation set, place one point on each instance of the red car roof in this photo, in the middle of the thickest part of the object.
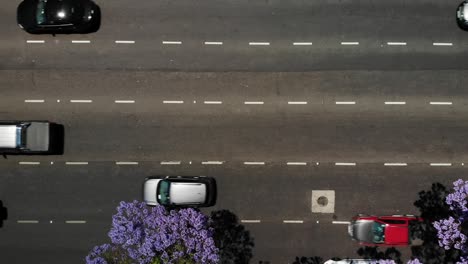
(396, 234)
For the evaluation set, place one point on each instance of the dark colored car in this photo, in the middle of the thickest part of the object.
(462, 15)
(58, 16)
(395, 230)
(31, 137)
(180, 191)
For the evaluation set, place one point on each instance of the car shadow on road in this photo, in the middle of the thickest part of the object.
(308, 260)
(3, 213)
(233, 240)
(376, 253)
(432, 206)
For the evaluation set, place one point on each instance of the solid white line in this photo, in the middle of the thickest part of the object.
(395, 103)
(396, 43)
(34, 101)
(170, 162)
(172, 42)
(395, 164)
(442, 44)
(81, 41)
(345, 164)
(75, 222)
(29, 162)
(126, 163)
(441, 164)
(81, 101)
(76, 163)
(213, 43)
(345, 103)
(124, 101)
(35, 41)
(213, 102)
(341, 222)
(259, 43)
(173, 102)
(250, 221)
(349, 43)
(293, 221)
(297, 103)
(296, 163)
(212, 162)
(27, 221)
(253, 102)
(125, 42)
(302, 43)
(441, 103)
(254, 163)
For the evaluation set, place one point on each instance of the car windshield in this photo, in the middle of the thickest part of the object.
(163, 192)
(57, 12)
(378, 230)
(40, 12)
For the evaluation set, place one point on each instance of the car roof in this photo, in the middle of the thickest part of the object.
(8, 136)
(188, 192)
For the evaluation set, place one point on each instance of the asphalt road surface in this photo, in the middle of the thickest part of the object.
(276, 99)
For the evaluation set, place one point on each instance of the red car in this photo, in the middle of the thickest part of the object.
(395, 230)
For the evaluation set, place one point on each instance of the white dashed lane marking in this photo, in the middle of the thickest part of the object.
(297, 103)
(253, 102)
(75, 222)
(293, 163)
(76, 163)
(172, 42)
(250, 221)
(81, 41)
(212, 162)
(442, 44)
(27, 221)
(35, 41)
(396, 43)
(440, 103)
(395, 103)
(125, 42)
(345, 164)
(173, 102)
(170, 162)
(341, 222)
(213, 43)
(81, 101)
(34, 101)
(213, 102)
(254, 163)
(259, 43)
(345, 103)
(395, 164)
(349, 43)
(440, 164)
(124, 101)
(302, 43)
(29, 163)
(293, 221)
(126, 163)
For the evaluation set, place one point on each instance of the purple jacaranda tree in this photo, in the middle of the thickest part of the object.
(156, 235)
(451, 232)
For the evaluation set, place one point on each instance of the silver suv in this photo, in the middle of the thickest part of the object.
(180, 191)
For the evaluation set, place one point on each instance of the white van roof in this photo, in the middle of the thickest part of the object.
(7, 136)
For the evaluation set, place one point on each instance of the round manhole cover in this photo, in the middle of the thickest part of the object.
(322, 201)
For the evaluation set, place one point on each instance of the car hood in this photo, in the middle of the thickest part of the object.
(396, 235)
(187, 193)
(26, 14)
(149, 191)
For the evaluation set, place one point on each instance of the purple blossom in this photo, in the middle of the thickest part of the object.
(96, 254)
(147, 233)
(463, 260)
(449, 234)
(457, 200)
